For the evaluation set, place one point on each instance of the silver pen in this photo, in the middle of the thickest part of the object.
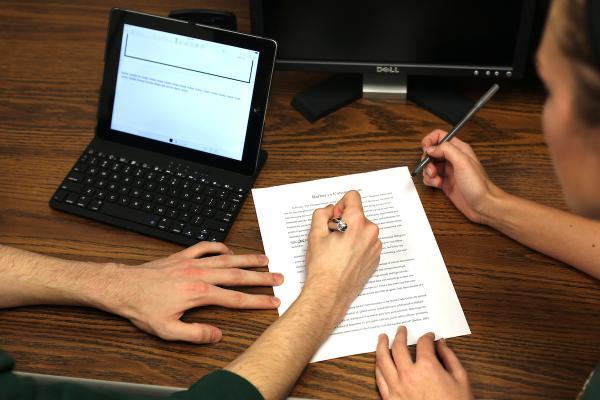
(484, 99)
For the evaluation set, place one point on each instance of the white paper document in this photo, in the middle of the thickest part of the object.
(411, 286)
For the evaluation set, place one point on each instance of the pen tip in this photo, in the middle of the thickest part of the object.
(413, 173)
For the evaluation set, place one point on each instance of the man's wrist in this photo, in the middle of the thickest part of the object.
(104, 290)
(323, 299)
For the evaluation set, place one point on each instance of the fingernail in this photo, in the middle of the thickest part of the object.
(431, 334)
(278, 278)
(275, 301)
(216, 335)
(428, 171)
(263, 258)
(430, 149)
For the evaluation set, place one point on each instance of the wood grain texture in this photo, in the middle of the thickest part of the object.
(535, 321)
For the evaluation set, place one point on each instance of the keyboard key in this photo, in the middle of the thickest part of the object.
(104, 173)
(171, 213)
(160, 210)
(75, 177)
(186, 185)
(129, 169)
(83, 201)
(216, 237)
(196, 209)
(60, 195)
(92, 171)
(135, 203)
(80, 167)
(127, 180)
(100, 194)
(148, 196)
(72, 198)
(211, 202)
(113, 197)
(187, 231)
(234, 207)
(197, 220)
(72, 187)
(89, 181)
(177, 227)
(223, 216)
(172, 203)
(96, 204)
(222, 194)
(223, 205)
(184, 216)
(151, 186)
(101, 183)
(124, 200)
(215, 225)
(208, 212)
(199, 199)
(164, 223)
(89, 191)
(184, 205)
(129, 214)
(115, 177)
(136, 193)
(161, 199)
(112, 187)
(227, 187)
(124, 189)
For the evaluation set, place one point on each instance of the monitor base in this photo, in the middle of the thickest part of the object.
(436, 95)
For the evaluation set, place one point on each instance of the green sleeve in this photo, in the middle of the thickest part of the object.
(221, 385)
(591, 389)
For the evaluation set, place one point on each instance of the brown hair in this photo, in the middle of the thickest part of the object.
(569, 21)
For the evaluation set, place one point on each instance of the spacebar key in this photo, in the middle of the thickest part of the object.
(115, 210)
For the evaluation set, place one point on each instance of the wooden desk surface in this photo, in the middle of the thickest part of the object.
(535, 321)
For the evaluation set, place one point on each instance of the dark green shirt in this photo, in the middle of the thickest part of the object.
(221, 385)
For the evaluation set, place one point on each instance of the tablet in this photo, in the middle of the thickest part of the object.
(185, 90)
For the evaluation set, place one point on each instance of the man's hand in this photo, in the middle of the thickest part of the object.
(338, 264)
(399, 378)
(459, 174)
(155, 295)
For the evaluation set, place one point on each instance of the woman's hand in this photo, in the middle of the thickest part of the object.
(155, 295)
(398, 377)
(459, 174)
(338, 264)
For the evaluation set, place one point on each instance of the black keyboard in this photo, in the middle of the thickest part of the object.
(182, 205)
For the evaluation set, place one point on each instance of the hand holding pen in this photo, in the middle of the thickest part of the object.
(480, 103)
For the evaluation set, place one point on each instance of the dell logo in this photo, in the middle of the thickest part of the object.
(388, 70)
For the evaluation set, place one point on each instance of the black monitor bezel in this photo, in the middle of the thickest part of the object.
(266, 47)
(516, 70)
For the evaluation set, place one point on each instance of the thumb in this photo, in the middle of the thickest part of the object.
(447, 151)
(451, 361)
(191, 332)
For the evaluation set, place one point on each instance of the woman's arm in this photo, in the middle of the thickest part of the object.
(458, 173)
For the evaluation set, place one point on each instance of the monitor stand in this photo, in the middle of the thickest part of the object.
(436, 95)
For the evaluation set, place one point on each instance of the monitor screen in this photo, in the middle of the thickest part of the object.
(185, 91)
(417, 33)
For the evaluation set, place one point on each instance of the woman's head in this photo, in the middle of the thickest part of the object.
(569, 65)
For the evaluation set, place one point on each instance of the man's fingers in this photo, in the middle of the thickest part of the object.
(402, 357)
(351, 201)
(202, 249)
(234, 299)
(451, 361)
(383, 360)
(382, 385)
(240, 277)
(231, 261)
(433, 138)
(190, 332)
(425, 348)
(320, 218)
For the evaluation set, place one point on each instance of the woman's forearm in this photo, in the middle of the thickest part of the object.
(562, 235)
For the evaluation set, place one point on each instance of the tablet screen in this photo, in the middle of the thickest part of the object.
(185, 91)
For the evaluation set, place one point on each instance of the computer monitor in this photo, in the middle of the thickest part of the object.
(386, 40)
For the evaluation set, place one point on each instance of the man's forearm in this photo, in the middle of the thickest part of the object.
(278, 357)
(27, 278)
(562, 235)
